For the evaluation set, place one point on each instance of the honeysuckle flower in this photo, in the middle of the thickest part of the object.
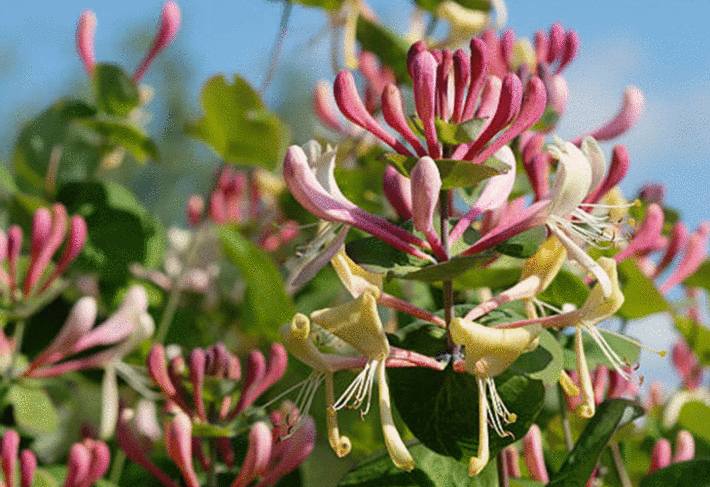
(618, 167)
(463, 22)
(425, 188)
(694, 255)
(397, 189)
(430, 72)
(556, 48)
(49, 232)
(534, 455)
(178, 444)
(677, 240)
(647, 237)
(628, 115)
(487, 353)
(312, 183)
(579, 171)
(85, 32)
(88, 462)
(167, 30)
(377, 76)
(660, 455)
(121, 332)
(684, 447)
(686, 365)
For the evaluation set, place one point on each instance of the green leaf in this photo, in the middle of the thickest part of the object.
(458, 133)
(697, 336)
(544, 363)
(628, 351)
(121, 230)
(432, 470)
(377, 256)
(237, 125)
(566, 287)
(446, 270)
(115, 92)
(390, 48)
(684, 474)
(694, 417)
(547, 121)
(324, 4)
(454, 173)
(581, 461)
(524, 244)
(55, 136)
(267, 306)
(206, 430)
(700, 278)
(33, 409)
(641, 295)
(121, 133)
(502, 274)
(440, 408)
(431, 5)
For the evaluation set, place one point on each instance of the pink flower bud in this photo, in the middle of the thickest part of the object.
(100, 460)
(289, 453)
(556, 42)
(571, 48)
(693, 256)
(9, 449)
(424, 68)
(85, 31)
(425, 187)
(557, 93)
(646, 236)
(655, 395)
(45, 245)
(169, 25)
(534, 456)
(28, 465)
(178, 443)
(660, 456)
(600, 380)
(195, 209)
(352, 107)
(542, 46)
(158, 370)
(397, 190)
(393, 112)
(678, 240)
(323, 107)
(256, 370)
(686, 364)
(479, 73)
(77, 465)
(197, 377)
(628, 115)
(617, 171)
(258, 455)
(462, 74)
(442, 85)
(75, 243)
(684, 447)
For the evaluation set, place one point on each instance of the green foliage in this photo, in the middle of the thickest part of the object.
(237, 125)
(628, 351)
(114, 91)
(694, 418)
(121, 230)
(446, 270)
(700, 278)
(693, 472)
(525, 244)
(544, 363)
(324, 4)
(32, 409)
(441, 408)
(431, 5)
(380, 257)
(641, 295)
(461, 133)
(266, 304)
(580, 462)
(566, 287)
(390, 48)
(432, 470)
(454, 173)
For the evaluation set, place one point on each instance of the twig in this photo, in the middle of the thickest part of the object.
(278, 45)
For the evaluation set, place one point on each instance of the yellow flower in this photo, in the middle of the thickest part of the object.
(488, 352)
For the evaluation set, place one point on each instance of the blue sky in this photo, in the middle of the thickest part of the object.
(660, 46)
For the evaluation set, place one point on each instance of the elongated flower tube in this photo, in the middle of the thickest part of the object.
(493, 196)
(289, 453)
(629, 113)
(316, 190)
(512, 461)
(618, 168)
(660, 455)
(693, 256)
(678, 240)
(684, 447)
(488, 352)
(647, 236)
(534, 456)
(258, 455)
(686, 365)
(28, 466)
(167, 30)
(85, 32)
(323, 107)
(425, 188)
(557, 48)
(397, 190)
(129, 325)
(178, 443)
(9, 449)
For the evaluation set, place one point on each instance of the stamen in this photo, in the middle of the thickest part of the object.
(616, 361)
(360, 390)
(498, 413)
